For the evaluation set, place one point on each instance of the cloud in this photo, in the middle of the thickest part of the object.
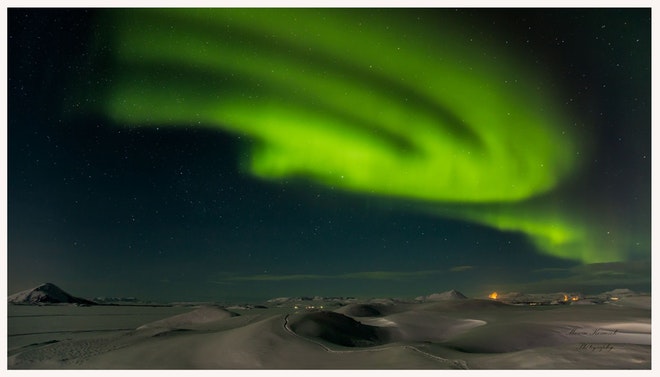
(266, 277)
(552, 270)
(388, 275)
(364, 275)
(460, 268)
(593, 278)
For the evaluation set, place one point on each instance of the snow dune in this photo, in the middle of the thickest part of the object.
(203, 315)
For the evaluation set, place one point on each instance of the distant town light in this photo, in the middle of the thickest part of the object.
(493, 296)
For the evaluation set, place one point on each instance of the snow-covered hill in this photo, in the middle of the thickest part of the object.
(47, 293)
(449, 295)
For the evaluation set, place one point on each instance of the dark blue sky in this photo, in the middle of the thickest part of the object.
(169, 214)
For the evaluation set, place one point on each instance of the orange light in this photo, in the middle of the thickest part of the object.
(493, 295)
(565, 298)
(574, 298)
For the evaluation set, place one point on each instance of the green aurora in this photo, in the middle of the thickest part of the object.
(367, 101)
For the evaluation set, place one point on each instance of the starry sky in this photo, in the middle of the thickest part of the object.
(225, 155)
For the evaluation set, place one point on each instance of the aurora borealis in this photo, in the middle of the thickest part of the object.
(323, 102)
(412, 125)
(423, 113)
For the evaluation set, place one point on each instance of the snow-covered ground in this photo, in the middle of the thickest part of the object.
(451, 334)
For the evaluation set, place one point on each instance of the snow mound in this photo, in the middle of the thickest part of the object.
(279, 300)
(620, 292)
(449, 295)
(338, 329)
(198, 316)
(362, 310)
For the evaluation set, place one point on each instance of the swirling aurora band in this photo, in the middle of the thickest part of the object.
(361, 100)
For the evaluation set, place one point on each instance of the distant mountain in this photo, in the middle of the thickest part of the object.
(116, 300)
(46, 294)
(620, 292)
(286, 300)
(449, 295)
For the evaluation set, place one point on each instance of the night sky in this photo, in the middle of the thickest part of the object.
(243, 155)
